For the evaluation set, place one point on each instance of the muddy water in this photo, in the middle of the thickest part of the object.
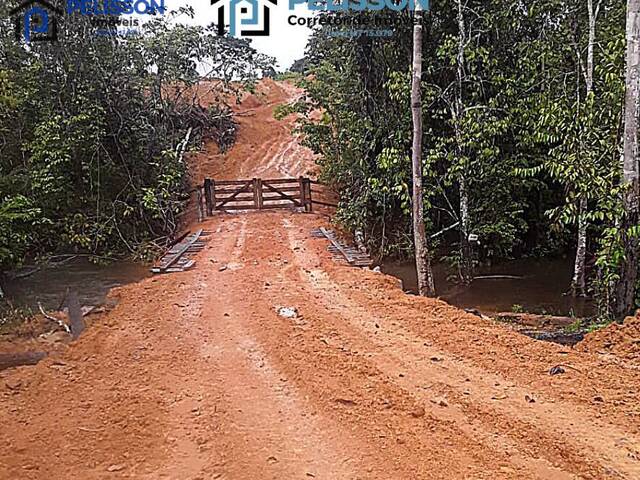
(92, 282)
(539, 287)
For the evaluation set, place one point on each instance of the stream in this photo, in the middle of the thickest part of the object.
(534, 286)
(539, 287)
(91, 281)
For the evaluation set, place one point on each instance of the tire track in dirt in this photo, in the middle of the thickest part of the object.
(368, 403)
(474, 419)
(394, 350)
(575, 441)
(265, 146)
(188, 436)
(264, 429)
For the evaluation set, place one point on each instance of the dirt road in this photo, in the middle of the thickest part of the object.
(196, 376)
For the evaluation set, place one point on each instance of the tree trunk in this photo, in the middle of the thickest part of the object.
(593, 17)
(626, 286)
(423, 261)
(466, 262)
(465, 269)
(579, 283)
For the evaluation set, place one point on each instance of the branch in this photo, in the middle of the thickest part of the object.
(444, 230)
(54, 319)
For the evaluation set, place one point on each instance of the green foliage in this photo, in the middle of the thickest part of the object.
(521, 130)
(288, 76)
(93, 131)
(18, 218)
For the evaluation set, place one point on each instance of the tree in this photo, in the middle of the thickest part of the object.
(423, 261)
(578, 283)
(521, 104)
(630, 224)
(466, 262)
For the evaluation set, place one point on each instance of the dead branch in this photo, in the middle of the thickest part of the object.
(54, 319)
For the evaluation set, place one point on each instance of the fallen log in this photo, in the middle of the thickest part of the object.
(12, 360)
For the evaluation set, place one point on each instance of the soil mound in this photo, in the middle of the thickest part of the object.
(622, 340)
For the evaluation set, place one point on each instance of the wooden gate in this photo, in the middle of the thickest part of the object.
(257, 194)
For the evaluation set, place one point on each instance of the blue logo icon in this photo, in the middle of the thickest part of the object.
(36, 21)
(246, 18)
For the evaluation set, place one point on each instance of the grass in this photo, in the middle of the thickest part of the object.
(575, 327)
(587, 325)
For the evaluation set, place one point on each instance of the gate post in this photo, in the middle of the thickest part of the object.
(257, 193)
(208, 195)
(307, 182)
(303, 193)
(199, 201)
(213, 195)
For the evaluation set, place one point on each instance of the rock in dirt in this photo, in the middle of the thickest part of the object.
(288, 312)
(440, 401)
(115, 468)
(346, 401)
(557, 370)
(418, 412)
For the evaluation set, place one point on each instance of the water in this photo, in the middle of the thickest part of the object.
(540, 289)
(92, 282)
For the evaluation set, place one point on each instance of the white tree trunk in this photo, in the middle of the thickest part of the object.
(579, 283)
(423, 260)
(625, 289)
(593, 17)
(466, 265)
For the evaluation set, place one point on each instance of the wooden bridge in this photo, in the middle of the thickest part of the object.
(262, 194)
